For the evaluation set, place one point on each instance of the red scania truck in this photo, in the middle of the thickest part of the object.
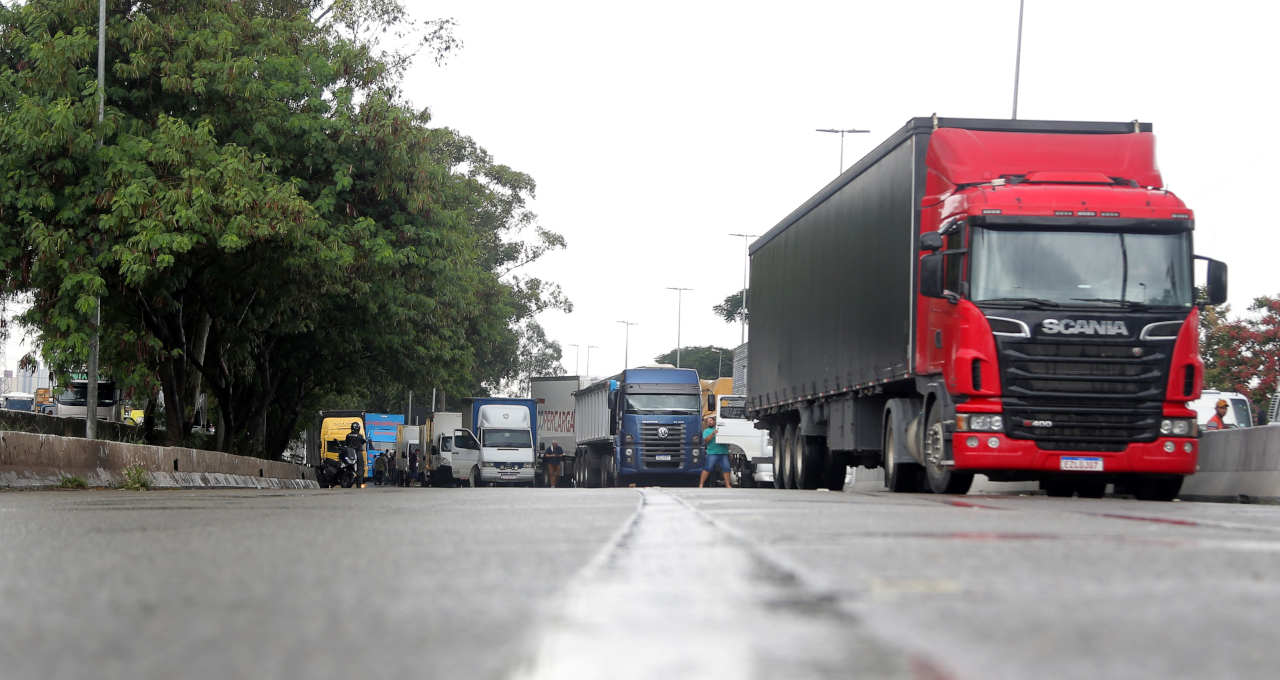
(1008, 297)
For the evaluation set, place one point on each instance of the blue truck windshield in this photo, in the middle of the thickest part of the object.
(663, 403)
(519, 439)
(1080, 268)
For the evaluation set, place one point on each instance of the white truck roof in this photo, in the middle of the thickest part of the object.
(504, 416)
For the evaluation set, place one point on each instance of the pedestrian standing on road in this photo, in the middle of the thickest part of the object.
(1219, 410)
(413, 466)
(380, 470)
(552, 459)
(717, 453)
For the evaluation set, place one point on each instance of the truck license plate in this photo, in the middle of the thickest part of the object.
(1089, 464)
(663, 456)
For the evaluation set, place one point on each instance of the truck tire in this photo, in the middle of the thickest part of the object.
(779, 454)
(791, 442)
(595, 473)
(473, 479)
(937, 451)
(811, 462)
(1058, 486)
(1157, 488)
(899, 477)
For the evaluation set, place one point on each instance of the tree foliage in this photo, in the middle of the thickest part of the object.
(1243, 354)
(732, 309)
(262, 214)
(709, 360)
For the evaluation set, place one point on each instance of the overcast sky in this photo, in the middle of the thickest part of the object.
(655, 129)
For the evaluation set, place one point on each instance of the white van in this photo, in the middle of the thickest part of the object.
(501, 452)
(1239, 415)
(750, 452)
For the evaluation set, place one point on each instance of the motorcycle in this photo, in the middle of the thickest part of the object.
(340, 472)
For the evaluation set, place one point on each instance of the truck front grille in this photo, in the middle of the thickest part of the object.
(652, 445)
(1092, 395)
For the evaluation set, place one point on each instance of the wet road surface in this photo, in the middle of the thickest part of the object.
(632, 583)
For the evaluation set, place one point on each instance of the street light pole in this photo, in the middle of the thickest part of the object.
(1017, 61)
(626, 345)
(589, 348)
(746, 261)
(842, 134)
(679, 299)
(91, 371)
(719, 362)
(576, 352)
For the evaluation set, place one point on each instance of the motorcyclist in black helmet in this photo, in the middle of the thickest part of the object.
(356, 442)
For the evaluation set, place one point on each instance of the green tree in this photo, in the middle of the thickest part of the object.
(265, 219)
(731, 309)
(709, 360)
(1243, 354)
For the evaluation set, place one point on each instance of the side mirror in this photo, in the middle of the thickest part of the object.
(931, 275)
(711, 402)
(613, 400)
(1216, 285)
(931, 241)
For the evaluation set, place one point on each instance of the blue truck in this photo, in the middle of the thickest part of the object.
(380, 432)
(498, 445)
(641, 426)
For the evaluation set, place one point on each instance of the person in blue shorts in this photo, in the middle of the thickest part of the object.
(717, 453)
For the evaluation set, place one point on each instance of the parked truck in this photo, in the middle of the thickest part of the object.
(325, 437)
(1009, 297)
(495, 444)
(443, 426)
(554, 397)
(640, 426)
(750, 451)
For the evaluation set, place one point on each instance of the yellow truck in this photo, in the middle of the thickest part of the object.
(330, 430)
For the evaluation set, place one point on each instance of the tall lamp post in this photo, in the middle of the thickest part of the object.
(719, 362)
(746, 261)
(576, 352)
(626, 345)
(589, 348)
(842, 134)
(679, 297)
(1017, 61)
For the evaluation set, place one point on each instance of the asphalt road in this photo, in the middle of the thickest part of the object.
(632, 583)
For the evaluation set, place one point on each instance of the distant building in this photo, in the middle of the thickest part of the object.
(6, 384)
(30, 381)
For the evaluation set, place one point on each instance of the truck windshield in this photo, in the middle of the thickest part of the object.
(507, 438)
(1073, 268)
(663, 403)
(733, 408)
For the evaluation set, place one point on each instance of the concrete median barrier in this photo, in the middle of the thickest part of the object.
(1242, 465)
(30, 460)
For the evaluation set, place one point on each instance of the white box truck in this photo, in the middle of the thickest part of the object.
(554, 397)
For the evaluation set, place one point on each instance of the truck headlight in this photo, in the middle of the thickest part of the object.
(979, 422)
(488, 465)
(1178, 427)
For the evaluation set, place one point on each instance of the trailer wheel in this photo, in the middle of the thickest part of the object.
(1157, 488)
(810, 457)
(936, 447)
(779, 455)
(792, 439)
(899, 477)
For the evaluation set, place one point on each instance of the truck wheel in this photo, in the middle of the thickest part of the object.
(809, 461)
(937, 452)
(474, 478)
(794, 442)
(776, 434)
(1157, 488)
(1091, 487)
(899, 477)
(595, 473)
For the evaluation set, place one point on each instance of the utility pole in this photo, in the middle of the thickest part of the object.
(91, 388)
(626, 346)
(1017, 61)
(589, 348)
(842, 134)
(576, 353)
(746, 262)
(679, 298)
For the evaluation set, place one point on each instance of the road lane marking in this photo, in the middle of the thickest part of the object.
(677, 596)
